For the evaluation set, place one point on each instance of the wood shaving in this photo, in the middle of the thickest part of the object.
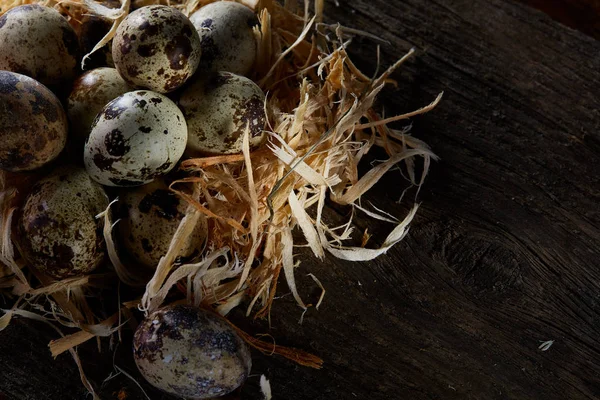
(321, 125)
(265, 388)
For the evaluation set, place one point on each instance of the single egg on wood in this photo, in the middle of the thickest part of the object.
(226, 35)
(58, 232)
(33, 124)
(218, 108)
(91, 92)
(156, 47)
(190, 353)
(150, 216)
(136, 138)
(38, 42)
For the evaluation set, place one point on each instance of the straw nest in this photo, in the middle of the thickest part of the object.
(321, 123)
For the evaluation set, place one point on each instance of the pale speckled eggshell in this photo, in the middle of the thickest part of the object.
(33, 124)
(59, 233)
(156, 47)
(136, 138)
(228, 42)
(91, 92)
(151, 215)
(217, 109)
(190, 353)
(38, 42)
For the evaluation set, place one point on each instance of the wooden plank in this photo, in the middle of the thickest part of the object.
(502, 256)
(583, 15)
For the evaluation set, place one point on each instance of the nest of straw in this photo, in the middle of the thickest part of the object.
(321, 123)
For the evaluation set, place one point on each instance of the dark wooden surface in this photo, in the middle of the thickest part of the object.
(583, 15)
(502, 256)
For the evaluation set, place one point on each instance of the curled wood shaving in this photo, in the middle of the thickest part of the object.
(152, 300)
(355, 191)
(115, 15)
(307, 226)
(5, 320)
(319, 7)
(362, 254)
(287, 244)
(300, 167)
(102, 329)
(299, 356)
(126, 275)
(7, 254)
(322, 296)
(421, 110)
(65, 285)
(287, 51)
(265, 388)
(264, 49)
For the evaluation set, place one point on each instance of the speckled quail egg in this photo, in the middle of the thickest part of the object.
(136, 138)
(151, 215)
(228, 42)
(38, 42)
(190, 353)
(59, 233)
(156, 47)
(91, 92)
(217, 109)
(33, 124)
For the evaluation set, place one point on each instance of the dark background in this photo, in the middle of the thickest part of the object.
(502, 256)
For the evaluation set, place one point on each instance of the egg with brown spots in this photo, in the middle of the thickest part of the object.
(59, 233)
(156, 47)
(218, 108)
(38, 42)
(190, 353)
(90, 94)
(151, 215)
(136, 138)
(226, 35)
(33, 124)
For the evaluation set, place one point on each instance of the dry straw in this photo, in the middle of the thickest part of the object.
(321, 123)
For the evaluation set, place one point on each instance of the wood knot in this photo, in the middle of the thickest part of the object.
(487, 265)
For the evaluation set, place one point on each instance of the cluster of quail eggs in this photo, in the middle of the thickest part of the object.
(169, 87)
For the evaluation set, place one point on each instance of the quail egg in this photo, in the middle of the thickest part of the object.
(136, 138)
(91, 92)
(38, 42)
(190, 353)
(156, 47)
(228, 42)
(33, 124)
(59, 233)
(151, 215)
(217, 109)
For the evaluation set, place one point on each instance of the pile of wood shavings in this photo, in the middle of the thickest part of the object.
(321, 124)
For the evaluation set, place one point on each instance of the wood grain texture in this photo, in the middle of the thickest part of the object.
(583, 15)
(502, 256)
